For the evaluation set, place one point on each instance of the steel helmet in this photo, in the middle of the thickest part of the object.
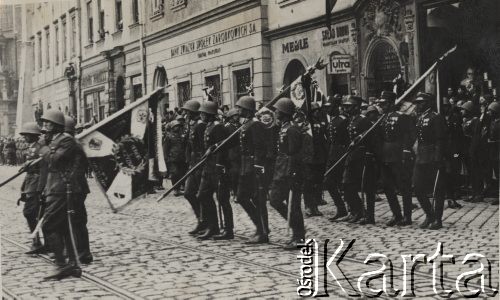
(468, 106)
(315, 106)
(285, 105)
(191, 105)
(30, 128)
(209, 107)
(232, 112)
(246, 102)
(54, 116)
(371, 108)
(421, 97)
(353, 100)
(69, 124)
(494, 106)
(387, 96)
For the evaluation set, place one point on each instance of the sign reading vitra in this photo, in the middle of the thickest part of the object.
(339, 64)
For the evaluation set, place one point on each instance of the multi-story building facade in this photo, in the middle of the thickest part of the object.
(55, 53)
(216, 44)
(112, 61)
(10, 25)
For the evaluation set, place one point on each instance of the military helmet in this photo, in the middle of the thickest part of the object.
(30, 128)
(69, 124)
(494, 106)
(54, 116)
(372, 108)
(232, 112)
(353, 100)
(315, 106)
(285, 105)
(179, 117)
(387, 96)
(246, 102)
(191, 105)
(468, 106)
(209, 107)
(421, 97)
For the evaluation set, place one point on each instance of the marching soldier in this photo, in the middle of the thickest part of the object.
(194, 152)
(175, 148)
(494, 140)
(395, 151)
(252, 146)
(234, 155)
(314, 162)
(471, 125)
(354, 162)
(80, 220)
(453, 152)
(62, 163)
(29, 189)
(338, 140)
(211, 170)
(286, 182)
(431, 130)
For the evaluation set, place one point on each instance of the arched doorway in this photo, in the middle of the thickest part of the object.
(160, 80)
(383, 66)
(120, 93)
(294, 69)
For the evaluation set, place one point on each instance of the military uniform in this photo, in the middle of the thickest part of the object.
(338, 140)
(429, 158)
(314, 153)
(396, 143)
(29, 188)
(454, 154)
(214, 133)
(354, 164)
(233, 160)
(253, 150)
(175, 149)
(194, 152)
(287, 178)
(63, 169)
(470, 129)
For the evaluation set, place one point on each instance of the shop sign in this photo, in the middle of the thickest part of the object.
(94, 78)
(339, 34)
(215, 39)
(339, 64)
(294, 46)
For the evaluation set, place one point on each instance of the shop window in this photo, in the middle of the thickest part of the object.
(183, 92)
(136, 87)
(242, 80)
(213, 82)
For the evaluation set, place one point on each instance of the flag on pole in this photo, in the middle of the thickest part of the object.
(125, 149)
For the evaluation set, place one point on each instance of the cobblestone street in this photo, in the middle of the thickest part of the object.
(144, 252)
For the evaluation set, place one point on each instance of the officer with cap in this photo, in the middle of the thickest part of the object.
(175, 151)
(431, 135)
(29, 188)
(397, 140)
(354, 162)
(252, 147)
(337, 141)
(80, 218)
(315, 153)
(214, 133)
(286, 182)
(63, 174)
(194, 152)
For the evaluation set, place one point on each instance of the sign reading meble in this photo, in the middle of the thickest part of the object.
(215, 39)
